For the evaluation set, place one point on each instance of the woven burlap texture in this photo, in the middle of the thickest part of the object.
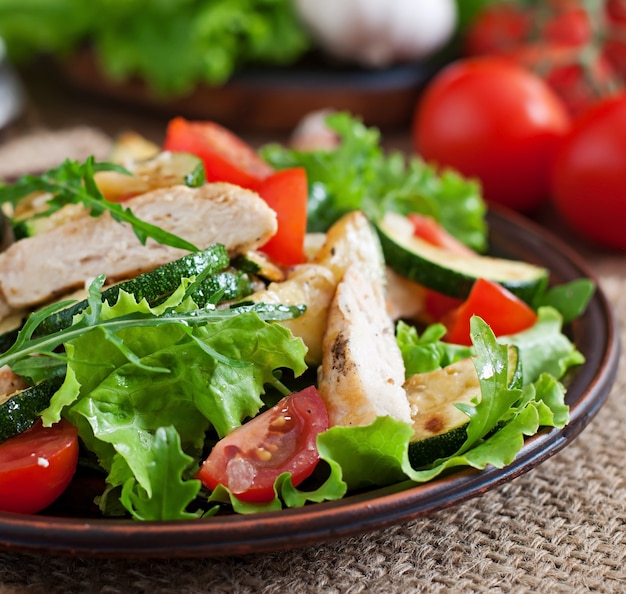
(560, 529)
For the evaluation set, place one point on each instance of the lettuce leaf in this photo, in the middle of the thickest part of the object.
(173, 45)
(166, 473)
(123, 386)
(358, 175)
(377, 455)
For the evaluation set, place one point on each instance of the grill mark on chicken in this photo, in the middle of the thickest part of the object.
(362, 371)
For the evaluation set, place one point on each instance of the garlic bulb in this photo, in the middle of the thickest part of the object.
(378, 33)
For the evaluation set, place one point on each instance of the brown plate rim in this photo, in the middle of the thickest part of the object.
(596, 336)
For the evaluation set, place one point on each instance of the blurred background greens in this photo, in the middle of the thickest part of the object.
(172, 44)
(175, 45)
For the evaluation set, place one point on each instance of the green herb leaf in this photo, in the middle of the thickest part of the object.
(171, 492)
(135, 368)
(73, 183)
(358, 175)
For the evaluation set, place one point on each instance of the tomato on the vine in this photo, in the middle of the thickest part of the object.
(36, 466)
(282, 439)
(495, 121)
(503, 26)
(588, 186)
(579, 84)
(579, 50)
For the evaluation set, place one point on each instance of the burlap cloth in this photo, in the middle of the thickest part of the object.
(559, 528)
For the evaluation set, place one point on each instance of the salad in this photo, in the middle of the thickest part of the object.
(303, 325)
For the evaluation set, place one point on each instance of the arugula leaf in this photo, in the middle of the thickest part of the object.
(569, 299)
(544, 348)
(74, 183)
(27, 343)
(171, 493)
(377, 455)
(357, 175)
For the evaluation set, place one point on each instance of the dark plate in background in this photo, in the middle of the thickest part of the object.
(588, 386)
(273, 99)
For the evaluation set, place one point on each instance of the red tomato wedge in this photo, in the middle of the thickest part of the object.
(428, 229)
(37, 466)
(502, 310)
(431, 231)
(286, 192)
(226, 157)
(282, 439)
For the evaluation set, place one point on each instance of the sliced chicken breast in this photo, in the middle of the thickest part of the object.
(362, 371)
(351, 240)
(10, 383)
(36, 269)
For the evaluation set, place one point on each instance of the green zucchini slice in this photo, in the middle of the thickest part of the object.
(20, 410)
(439, 427)
(452, 274)
(158, 284)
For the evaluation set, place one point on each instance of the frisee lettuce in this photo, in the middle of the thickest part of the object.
(358, 175)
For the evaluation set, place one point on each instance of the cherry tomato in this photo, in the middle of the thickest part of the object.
(588, 187)
(497, 27)
(225, 156)
(282, 439)
(495, 121)
(502, 310)
(579, 84)
(615, 43)
(286, 192)
(37, 466)
(567, 24)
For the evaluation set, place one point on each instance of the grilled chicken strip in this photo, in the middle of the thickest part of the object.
(36, 269)
(351, 240)
(362, 372)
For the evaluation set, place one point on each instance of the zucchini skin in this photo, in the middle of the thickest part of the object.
(21, 410)
(158, 284)
(423, 451)
(453, 282)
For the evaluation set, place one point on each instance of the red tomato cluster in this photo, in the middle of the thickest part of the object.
(536, 111)
(578, 48)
